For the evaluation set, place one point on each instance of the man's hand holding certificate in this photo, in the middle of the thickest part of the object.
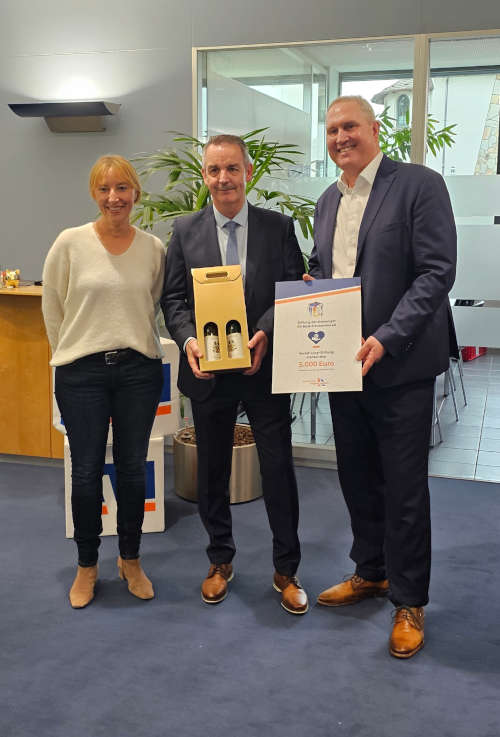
(317, 335)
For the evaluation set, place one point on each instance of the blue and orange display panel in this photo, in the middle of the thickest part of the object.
(154, 505)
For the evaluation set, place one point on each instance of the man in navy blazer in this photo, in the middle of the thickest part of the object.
(391, 224)
(268, 252)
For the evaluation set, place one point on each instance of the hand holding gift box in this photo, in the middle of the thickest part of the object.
(221, 321)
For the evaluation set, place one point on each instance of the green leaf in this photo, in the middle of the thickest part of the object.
(396, 143)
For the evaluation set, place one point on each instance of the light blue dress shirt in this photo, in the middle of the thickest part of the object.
(223, 236)
(241, 235)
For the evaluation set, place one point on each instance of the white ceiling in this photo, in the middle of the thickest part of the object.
(359, 56)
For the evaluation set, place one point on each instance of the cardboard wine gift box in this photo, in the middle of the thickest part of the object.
(218, 301)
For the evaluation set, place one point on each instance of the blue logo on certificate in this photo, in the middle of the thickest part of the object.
(316, 337)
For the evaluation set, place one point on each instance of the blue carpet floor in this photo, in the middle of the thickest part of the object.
(175, 667)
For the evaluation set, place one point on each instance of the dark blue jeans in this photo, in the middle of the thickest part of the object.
(89, 392)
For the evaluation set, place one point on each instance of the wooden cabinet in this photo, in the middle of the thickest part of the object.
(25, 377)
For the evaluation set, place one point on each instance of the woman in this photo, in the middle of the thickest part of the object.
(101, 285)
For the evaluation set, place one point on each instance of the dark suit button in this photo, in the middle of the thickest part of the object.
(409, 346)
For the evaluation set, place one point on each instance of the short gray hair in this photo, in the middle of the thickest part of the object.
(222, 138)
(363, 104)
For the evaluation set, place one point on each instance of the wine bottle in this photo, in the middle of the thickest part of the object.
(212, 347)
(234, 339)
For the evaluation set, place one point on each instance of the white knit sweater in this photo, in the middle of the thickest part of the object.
(95, 301)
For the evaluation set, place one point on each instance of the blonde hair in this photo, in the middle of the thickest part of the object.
(121, 165)
(363, 105)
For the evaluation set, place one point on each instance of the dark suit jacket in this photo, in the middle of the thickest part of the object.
(406, 260)
(273, 254)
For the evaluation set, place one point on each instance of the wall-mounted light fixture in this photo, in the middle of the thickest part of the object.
(68, 117)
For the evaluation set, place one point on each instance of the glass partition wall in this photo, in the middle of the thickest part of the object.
(286, 90)
(465, 80)
(464, 91)
(284, 87)
(420, 84)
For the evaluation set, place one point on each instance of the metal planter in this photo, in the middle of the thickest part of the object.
(245, 482)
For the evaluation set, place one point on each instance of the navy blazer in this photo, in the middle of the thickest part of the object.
(273, 254)
(406, 259)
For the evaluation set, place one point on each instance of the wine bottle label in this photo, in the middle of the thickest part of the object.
(234, 345)
(212, 348)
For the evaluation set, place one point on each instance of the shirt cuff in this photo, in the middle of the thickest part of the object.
(191, 337)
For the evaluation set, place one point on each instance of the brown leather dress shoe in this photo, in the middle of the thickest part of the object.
(407, 636)
(353, 590)
(214, 587)
(293, 596)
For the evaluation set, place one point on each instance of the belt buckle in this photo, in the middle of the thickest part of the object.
(111, 357)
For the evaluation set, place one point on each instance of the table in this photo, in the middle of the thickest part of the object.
(25, 377)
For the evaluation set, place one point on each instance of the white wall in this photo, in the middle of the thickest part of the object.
(139, 54)
(48, 55)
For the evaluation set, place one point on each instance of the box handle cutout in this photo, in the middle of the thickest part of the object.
(216, 275)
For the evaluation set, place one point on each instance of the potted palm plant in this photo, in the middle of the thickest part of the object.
(245, 482)
(184, 190)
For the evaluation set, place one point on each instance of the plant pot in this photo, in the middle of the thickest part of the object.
(245, 482)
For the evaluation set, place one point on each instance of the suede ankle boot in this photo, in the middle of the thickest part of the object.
(138, 583)
(82, 591)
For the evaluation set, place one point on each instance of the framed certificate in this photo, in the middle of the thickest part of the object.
(317, 333)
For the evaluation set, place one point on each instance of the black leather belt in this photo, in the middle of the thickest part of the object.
(112, 357)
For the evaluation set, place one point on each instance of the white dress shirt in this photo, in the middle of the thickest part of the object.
(349, 216)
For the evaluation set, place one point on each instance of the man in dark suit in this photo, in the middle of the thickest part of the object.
(268, 251)
(392, 225)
